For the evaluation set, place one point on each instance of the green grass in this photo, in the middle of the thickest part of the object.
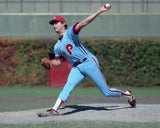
(54, 92)
(29, 91)
(84, 124)
(8, 107)
(79, 92)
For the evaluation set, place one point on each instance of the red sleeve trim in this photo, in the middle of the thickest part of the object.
(74, 30)
(57, 57)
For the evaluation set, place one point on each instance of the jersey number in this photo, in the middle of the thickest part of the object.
(69, 47)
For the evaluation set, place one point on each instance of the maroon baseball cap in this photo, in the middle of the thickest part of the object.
(57, 19)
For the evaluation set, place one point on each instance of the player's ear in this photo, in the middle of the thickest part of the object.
(66, 26)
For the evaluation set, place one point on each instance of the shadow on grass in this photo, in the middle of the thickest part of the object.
(80, 108)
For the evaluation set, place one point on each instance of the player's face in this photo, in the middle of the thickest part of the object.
(57, 26)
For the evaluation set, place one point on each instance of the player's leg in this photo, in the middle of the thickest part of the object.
(93, 71)
(102, 85)
(74, 78)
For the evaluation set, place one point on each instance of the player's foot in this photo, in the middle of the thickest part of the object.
(53, 112)
(50, 112)
(131, 101)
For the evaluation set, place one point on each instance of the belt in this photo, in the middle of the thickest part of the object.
(79, 62)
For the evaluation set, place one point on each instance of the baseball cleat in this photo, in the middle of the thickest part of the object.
(53, 112)
(132, 101)
(50, 112)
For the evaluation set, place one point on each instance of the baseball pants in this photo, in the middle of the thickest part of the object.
(89, 68)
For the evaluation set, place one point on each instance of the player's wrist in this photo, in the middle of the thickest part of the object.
(99, 11)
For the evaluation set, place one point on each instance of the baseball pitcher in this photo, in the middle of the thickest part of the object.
(85, 64)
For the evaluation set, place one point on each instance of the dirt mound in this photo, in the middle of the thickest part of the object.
(90, 112)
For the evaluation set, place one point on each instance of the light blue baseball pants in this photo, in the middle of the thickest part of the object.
(89, 68)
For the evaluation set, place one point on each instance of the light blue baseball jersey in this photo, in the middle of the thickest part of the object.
(71, 47)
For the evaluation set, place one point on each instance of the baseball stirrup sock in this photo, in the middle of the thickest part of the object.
(58, 103)
(127, 94)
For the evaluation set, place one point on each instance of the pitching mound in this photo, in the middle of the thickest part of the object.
(90, 112)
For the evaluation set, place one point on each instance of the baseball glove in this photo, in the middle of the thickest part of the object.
(46, 63)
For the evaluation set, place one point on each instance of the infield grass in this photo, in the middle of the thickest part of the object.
(79, 92)
(54, 92)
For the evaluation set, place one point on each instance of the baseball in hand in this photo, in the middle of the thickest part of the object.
(107, 5)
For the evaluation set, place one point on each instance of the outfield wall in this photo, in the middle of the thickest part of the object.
(36, 25)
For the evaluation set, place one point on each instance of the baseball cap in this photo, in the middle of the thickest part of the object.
(57, 18)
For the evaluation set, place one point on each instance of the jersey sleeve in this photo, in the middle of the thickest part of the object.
(56, 52)
(72, 33)
(74, 30)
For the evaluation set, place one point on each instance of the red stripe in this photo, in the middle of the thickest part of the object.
(104, 78)
(82, 48)
(60, 104)
(57, 57)
(124, 94)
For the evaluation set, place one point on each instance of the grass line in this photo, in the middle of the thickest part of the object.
(79, 92)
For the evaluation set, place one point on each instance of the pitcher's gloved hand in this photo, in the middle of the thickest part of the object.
(46, 63)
